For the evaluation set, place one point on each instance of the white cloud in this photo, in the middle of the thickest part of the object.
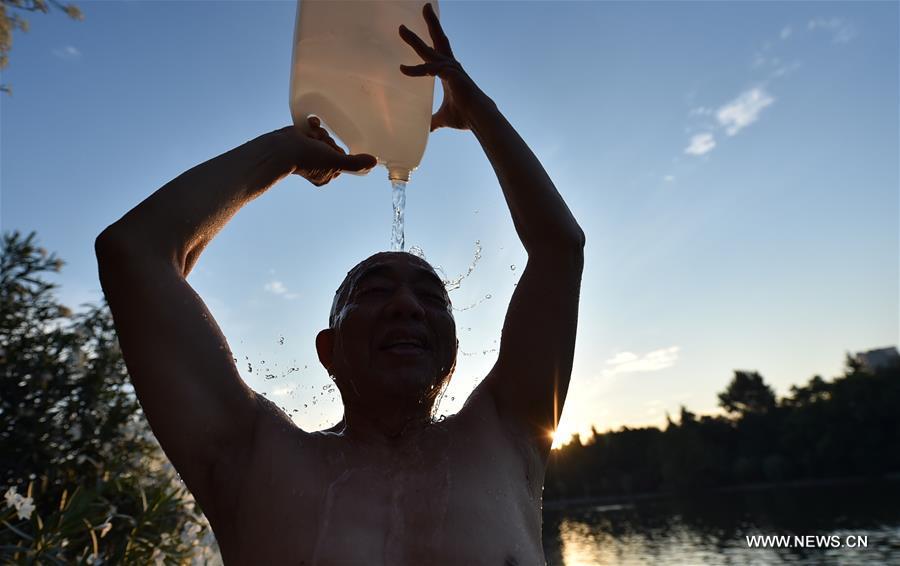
(669, 178)
(68, 52)
(743, 110)
(700, 144)
(841, 31)
(785, 70)
(701, 111)
(786, 32)
(629, 362)
(277, 288)
(759, 60)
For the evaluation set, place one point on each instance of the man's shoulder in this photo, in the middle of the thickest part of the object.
(480, 415)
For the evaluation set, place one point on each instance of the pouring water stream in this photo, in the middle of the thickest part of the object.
(398, 198)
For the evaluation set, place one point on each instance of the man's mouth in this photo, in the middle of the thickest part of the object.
(404, 342)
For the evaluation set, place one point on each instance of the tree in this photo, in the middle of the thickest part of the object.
(11, 20)
(83, 479)
(747, 394)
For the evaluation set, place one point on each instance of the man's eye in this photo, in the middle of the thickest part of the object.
(373, 291)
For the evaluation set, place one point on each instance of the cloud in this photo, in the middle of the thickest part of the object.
(277, 288)
(786, 32)
(629, 362)
(785, 70)
(841, 31)
(742, 111)
(669, 178)
(700, 144)
(67, 53)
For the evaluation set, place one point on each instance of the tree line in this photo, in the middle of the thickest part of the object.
(845, 427)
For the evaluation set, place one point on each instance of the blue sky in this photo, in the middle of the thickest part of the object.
(734, 167)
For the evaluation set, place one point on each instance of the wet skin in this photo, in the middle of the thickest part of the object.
(387, 485)
(462, 491)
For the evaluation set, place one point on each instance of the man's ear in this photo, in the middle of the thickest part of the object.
(325, 349)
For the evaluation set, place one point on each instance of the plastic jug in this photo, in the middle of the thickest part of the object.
(346, 71)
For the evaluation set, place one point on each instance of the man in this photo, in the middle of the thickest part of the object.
(388, 485)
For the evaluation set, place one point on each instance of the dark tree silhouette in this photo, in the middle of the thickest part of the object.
(747, 394)
(848, 427)
(82, 477)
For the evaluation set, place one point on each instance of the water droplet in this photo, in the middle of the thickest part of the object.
(512, 267)
(488, 296)
(281, 341)
(250, 368)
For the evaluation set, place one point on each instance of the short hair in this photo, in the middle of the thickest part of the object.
(342, 295)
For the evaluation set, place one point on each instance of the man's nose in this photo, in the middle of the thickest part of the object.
(404, 303)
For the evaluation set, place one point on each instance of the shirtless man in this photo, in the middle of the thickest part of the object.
(388, 485)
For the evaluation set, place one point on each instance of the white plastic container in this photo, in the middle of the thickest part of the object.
(346, 71)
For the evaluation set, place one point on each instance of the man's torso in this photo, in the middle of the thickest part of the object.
(463, 491)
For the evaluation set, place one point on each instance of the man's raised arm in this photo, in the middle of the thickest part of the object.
(179, 362)
(529, 381)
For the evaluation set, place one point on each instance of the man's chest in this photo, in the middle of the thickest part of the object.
(435, 503)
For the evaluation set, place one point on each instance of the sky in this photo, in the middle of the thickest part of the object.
(734, 167)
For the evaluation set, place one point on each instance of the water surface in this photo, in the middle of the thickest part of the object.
(711, 528)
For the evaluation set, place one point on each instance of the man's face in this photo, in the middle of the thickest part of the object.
(394, 335)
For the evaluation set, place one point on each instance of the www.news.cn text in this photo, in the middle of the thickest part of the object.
(807, 541)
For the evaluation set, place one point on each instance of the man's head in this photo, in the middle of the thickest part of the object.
(391, 336)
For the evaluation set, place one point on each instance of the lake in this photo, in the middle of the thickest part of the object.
(711, 527)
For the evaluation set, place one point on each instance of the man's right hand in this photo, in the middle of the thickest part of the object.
(315, 156)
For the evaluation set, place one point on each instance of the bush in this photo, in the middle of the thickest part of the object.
(83, 479)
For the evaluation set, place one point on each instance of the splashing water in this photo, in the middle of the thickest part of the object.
(418, 252)
(453, 284)
(473, 305)
(398, 197)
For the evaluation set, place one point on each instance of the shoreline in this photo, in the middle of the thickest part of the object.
(612, 500)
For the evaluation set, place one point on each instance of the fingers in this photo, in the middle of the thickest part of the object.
(438, 37)
(358, 162)
(437, 122)
(414, 41)
(316, 129)
(317, 132)
(425, 69)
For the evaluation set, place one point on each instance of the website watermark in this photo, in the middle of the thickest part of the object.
(807, 541)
